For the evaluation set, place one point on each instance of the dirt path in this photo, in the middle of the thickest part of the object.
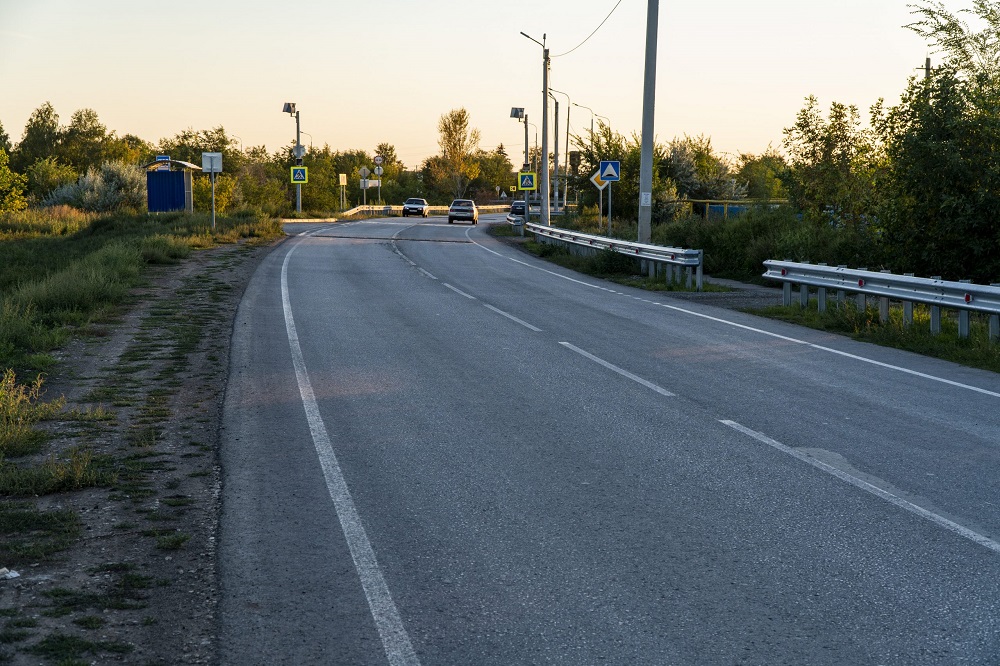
(139, 584)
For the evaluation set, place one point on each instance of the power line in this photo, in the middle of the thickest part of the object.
(593, 33)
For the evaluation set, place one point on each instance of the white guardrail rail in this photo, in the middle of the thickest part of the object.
(673, 260)
(938, 294)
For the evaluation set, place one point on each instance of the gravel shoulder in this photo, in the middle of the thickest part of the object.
(139, 586)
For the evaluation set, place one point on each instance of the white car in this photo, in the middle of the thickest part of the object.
(463, 209)
(415, 206)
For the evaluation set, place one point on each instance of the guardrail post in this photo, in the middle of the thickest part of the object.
(963, 319)
(908, 308)
(861, 298)
(935, 314)
(786, 294)
(883, 305)
(689, 277)
(841, 294)
(821, 298)
(995, 322)
(803, 295)
(701, 263)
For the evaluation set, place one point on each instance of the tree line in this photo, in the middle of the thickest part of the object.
(85, 165)
(917, 187)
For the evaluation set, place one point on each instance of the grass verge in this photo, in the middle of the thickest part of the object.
(976, 351)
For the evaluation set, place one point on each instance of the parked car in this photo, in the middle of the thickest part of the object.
(463, 209)
(517, 213)
(415, 206)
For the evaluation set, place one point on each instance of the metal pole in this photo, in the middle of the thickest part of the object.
(555, 190)
(527, 166)
(648, 100)
(609, 208)
(546, 211)
(566, 168)
(213, 199)
(298, 150)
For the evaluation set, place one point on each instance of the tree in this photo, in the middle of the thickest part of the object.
(47, 175)
(83, 144)
(495, 170)
(11, 187)
(40, 138)
(698, 172)
(967, 53)
(761, 174)
(458, 166)
(941, 179)
(830, 175)
(4, 141)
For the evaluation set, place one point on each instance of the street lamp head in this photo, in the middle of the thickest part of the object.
(289, 108)
(517, 112)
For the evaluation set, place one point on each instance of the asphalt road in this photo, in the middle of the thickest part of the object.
(440, 450)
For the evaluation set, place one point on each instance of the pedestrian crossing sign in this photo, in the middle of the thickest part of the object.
(300, 175)
(526, 180)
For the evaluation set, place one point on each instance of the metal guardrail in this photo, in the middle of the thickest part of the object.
(938, 294)
(652, 257)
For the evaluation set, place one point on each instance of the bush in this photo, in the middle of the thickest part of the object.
(115, 186)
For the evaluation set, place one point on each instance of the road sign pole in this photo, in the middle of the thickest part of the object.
(213, 199)
(600, 209)
(609, 209)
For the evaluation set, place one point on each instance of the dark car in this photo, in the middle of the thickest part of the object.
(517, 213)
(463, 209)
(415, 207)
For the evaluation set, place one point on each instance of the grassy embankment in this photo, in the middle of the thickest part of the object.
(64, 273)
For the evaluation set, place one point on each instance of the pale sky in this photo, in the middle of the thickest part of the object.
(363, 73)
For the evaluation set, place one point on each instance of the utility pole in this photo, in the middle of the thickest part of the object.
(527, 217)
(648, 100)
(298, 162)
(546, 210)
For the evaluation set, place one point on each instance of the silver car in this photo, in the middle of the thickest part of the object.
(463, 209)
(415, 206)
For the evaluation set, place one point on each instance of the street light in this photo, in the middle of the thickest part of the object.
(566, 186)
(522, 117)
(591, 122)
(546, 217)
(289, 108)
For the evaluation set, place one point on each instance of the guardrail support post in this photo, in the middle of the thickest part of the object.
(803, 295)
(963, 319)
(689, 277)
(786, 294)
(935, 314)
(908, 308)
(883, 306)
(821, 298)
(995, 322)
(841, 294)
(701, 263)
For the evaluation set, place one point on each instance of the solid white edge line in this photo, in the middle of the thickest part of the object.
(753, 329)
(426, 273)
(513, 318)
(620, 371)
(459, 291)
(395, 640)
(881, 493)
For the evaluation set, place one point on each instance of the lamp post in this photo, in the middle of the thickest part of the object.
(569, 103)
(289, 108)
(555, 189)
(591, 122)
(546, 216)
(522, 117)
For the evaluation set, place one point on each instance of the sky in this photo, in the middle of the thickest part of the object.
(364, 73)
